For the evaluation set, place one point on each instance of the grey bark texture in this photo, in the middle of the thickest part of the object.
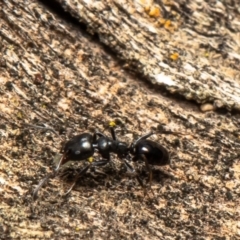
(59, 77)
(204, 35)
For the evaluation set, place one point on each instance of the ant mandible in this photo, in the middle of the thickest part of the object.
(82, 147)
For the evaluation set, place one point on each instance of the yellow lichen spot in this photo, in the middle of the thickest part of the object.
(112, 124)
(15, 102)
(153, 12)
(19, 115)
(167, 24)
(206, 54)
(174, 56)
(90, 159)
(10, 47)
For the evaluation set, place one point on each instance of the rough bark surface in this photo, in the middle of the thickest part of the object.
(192, 48)
(57, 81)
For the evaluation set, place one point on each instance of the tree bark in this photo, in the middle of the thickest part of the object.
(57, 80)
(190, 49)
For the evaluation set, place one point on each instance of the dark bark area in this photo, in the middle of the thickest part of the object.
(57, 76)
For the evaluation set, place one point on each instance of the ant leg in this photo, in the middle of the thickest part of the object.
(135, 174)
(100, 163)
(46, 127)
(50, 175)
(61, 161)
(113, 134)
(149, 169)
(84, 170)
(112, 124)
(142, 185)
(141, 138)
(44, 180)
(98, 134)
(130, 169)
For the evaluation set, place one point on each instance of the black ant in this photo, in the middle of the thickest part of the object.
(82, 147)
